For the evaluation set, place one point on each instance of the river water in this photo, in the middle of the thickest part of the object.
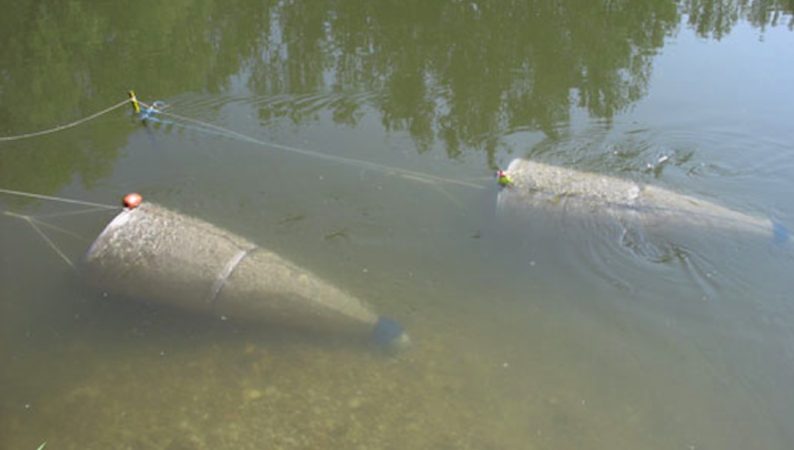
(389, 119)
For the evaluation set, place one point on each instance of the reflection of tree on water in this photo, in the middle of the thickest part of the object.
(468, 73)
(460, 72)
(716, 18)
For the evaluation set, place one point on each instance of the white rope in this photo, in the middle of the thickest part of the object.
(56, 199)
(32, 220)
(59, 229)
(405, 173)
(71, 213)
(35, 225)
(63, 127)
(52, 244)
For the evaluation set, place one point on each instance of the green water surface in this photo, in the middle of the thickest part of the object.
(527, 335)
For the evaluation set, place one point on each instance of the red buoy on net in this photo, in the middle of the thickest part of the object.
(132, 200)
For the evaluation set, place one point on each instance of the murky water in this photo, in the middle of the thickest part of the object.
(530, 330)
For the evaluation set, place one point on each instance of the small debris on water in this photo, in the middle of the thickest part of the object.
(354, 403)
(253, 394)
(272, 391)
(337, 234)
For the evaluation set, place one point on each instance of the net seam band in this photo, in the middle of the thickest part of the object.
(217, 286)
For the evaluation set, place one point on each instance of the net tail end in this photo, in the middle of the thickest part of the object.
(781, 233)
(389, 333)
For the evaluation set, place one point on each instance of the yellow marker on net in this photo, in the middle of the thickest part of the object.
(135, 106)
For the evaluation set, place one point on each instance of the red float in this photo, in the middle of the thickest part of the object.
(132, 200)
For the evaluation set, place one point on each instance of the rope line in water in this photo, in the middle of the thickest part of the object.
(70, 213)
(159, 109)
(35, 222)
(58, 229)
(409, 174)
(32, 222)
(52, 244)
(56, 199)
(64, 127)
(45, 224)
